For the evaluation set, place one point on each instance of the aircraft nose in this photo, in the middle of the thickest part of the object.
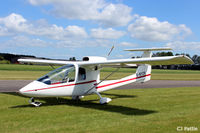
(23, 90)
(20, 91)
(29, 90)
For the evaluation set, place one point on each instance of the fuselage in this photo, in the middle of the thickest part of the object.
(39, 89)
(74, 80)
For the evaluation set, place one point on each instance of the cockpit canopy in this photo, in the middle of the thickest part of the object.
(60, 75)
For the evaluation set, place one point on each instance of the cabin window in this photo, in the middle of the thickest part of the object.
(81, 74)
(60, 75)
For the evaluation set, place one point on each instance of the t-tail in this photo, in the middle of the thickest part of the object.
(143, 72)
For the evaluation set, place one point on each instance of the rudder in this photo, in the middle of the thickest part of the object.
(143, 73)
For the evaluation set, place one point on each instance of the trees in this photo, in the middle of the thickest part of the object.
(3, 61)
(72, 58)
(196, 59)
(158, 54)
(1, 58)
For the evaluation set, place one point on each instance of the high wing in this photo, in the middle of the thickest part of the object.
(45, 61)
(146, 59)
(167, 60)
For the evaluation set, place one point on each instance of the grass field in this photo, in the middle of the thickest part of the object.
(156, 110)
(138, 110)
(32, 72)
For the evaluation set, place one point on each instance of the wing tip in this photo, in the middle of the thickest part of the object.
(187, 60)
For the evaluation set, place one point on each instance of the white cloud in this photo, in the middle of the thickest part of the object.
(180, 45)
(25, 33)
(106, 33)
(115, 15)
(128, 44)
(58, 32)
(12, 24)
(4, 31)
(76, 31)
(15, 24)
(106, 14)
(151, 29)
(24, 41)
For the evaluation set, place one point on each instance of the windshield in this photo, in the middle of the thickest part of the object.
(60, 75)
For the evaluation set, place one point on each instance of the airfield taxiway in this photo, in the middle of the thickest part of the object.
(15, 85)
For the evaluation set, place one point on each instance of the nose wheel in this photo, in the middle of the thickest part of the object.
(33, 102)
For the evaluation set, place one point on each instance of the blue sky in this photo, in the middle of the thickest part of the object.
(67, 28)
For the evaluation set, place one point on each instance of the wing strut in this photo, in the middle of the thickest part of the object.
(102, 80)
(52, 66)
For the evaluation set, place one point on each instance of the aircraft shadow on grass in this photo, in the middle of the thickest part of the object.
(91, 104)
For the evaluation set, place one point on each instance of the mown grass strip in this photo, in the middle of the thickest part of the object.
(19, 67)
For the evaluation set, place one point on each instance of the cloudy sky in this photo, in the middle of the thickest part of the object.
(67, 28)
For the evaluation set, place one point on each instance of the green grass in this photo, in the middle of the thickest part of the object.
(21, 75)
(18, 67)
(175, 74)
(138, 110)
(32, 72)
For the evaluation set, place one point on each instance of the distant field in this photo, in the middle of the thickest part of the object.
(133, 110)
(16, 67)
(157, 74)
(31, 72)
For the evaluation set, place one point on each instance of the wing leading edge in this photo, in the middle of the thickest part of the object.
(167, 60)
(44, 61)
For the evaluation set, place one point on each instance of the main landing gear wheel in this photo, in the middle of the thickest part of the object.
(103, 100)
(32, 101)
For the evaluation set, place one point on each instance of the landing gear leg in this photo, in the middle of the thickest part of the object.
(103, 100)
(32, 101)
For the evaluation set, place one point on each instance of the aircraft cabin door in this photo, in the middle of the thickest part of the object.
(81, 74)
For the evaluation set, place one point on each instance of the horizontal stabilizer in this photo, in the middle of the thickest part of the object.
(149, 49)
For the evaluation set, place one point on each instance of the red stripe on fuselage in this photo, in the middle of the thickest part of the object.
(122, 81)
(90, 82)
(62, 86)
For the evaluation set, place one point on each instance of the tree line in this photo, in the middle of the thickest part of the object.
(6, 58)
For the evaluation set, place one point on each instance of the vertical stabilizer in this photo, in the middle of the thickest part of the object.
(147, 54)
(143, 72)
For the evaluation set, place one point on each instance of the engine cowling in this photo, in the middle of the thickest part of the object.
(94, 58)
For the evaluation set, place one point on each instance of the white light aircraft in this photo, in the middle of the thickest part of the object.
(80, 78)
